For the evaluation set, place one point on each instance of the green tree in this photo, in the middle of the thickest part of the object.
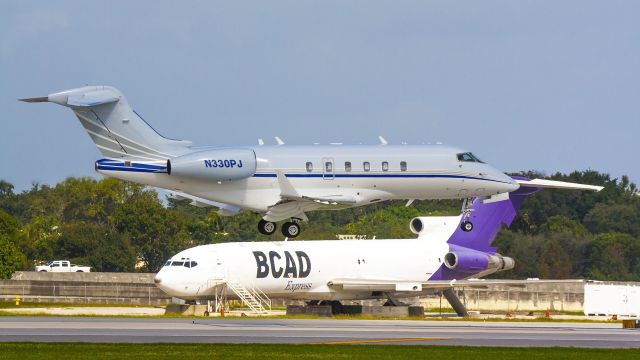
(11, 259)
(614, 217)
(614, 256)
(155, 232)
(96, 245)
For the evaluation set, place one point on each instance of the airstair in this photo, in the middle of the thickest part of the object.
(255, 299)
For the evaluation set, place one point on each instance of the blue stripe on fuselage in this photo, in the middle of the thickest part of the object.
(408, 176)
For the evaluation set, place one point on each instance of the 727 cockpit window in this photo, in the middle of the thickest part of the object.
(469, 157)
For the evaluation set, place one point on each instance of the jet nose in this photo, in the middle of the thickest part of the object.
(511, 184)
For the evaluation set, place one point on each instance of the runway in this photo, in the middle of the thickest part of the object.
(294, 331)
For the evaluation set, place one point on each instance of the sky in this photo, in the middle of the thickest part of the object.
(526, 85)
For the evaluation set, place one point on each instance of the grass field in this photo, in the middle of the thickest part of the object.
(25, 351)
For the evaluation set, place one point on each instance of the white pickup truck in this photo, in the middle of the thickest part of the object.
(62, 266)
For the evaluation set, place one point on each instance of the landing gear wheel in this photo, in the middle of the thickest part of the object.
(266, 227)
(466, 226)
(290, 229)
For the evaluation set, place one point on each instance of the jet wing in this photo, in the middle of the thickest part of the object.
(224, 209)
(418, 286)
(552, 184)
(294, 205)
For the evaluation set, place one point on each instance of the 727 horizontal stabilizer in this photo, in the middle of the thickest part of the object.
(553, 184)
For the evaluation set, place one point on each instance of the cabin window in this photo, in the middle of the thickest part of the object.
(328, 166)
(403, 166)
(366, 166)
(309, 166)
(347, 166)
(385, 166)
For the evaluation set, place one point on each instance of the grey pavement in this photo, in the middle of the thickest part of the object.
(300, 331)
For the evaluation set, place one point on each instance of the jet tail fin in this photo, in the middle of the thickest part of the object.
(116, 129)
(490, 215)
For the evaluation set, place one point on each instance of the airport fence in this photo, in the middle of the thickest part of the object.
(84, 293)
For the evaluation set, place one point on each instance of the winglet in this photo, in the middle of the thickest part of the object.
(286, 189)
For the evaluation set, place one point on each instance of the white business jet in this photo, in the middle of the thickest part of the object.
(281, 182)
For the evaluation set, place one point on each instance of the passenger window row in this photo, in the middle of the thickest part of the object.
(366, 166)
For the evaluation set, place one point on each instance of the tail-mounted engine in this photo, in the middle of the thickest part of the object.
(214, 165)
(473, 261)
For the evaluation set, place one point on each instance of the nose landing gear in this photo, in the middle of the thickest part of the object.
(466, 224)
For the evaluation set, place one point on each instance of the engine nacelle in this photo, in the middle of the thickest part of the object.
(214, 165)
(473, 261)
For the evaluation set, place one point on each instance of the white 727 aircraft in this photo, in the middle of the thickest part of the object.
(441, 257)
(280, 182)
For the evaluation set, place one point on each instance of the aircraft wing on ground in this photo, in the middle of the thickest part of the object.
(553, 184)
(403, 286)
(224, 209)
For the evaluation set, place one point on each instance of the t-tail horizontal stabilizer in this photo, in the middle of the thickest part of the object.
(116, 129)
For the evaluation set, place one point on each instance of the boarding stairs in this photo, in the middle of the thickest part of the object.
(255, 299)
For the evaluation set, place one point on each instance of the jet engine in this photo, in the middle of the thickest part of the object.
(473, 261)
(214, 165)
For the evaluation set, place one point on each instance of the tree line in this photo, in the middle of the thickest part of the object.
(113, 225)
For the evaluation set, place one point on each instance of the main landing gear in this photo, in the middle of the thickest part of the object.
(289, 229)
(466, 224)
(266, 227)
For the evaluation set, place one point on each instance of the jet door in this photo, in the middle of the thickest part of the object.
(328, 169)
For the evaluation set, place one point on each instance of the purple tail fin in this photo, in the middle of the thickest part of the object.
(488, 219)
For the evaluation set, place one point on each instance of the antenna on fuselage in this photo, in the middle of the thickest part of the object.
(279, 141)
(383, 141)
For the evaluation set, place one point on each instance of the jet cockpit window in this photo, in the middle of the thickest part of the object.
(168, 263)
(194, 264)
(177, 263)
(469, 157)
(309, 166)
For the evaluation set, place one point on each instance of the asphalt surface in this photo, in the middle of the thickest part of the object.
(294, 331)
